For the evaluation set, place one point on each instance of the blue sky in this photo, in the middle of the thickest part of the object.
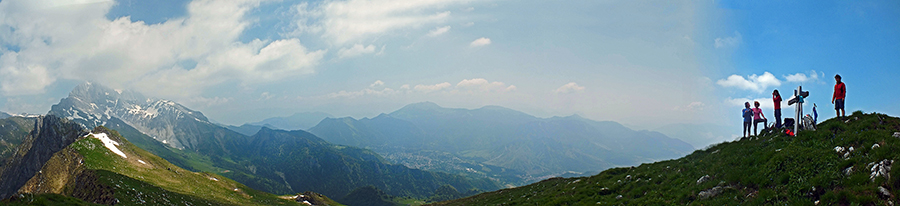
(642, 63)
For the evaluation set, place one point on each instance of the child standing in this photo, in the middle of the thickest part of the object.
(747, 114)
(757, 119)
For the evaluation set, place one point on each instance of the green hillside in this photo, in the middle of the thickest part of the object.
(91, 170)
(166, 179)
(774, 169)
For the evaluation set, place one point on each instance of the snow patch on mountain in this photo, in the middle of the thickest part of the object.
(147, 113)
(109, 143)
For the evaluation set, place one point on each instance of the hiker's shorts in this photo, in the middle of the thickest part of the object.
(839, 104)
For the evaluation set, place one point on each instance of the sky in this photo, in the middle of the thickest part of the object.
(645, 64)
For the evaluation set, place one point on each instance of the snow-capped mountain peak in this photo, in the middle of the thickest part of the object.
(92, 105)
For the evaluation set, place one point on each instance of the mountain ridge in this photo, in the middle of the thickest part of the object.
(210, 147)
(500, 136)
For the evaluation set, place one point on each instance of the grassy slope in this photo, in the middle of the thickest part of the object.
(197, 162)
(159, 181)
(45, 199)
(773, 169)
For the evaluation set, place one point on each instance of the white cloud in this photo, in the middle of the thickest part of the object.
(356, 50)
(757, 83)
(483, 85)
(432, 88)
(693, 106)
(18, 78)
(123, 53)
(360, 93)
(377, 83)
(265, 96)
(469, 9)
(207, 102)
(731, 41)
(801, 77)
(354, 20)
(569, 88)
(480, 42)
(468, 24)
(438, 31)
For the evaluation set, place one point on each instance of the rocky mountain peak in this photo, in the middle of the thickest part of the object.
(92, 104)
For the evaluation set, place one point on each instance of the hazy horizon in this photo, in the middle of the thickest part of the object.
(643, 64)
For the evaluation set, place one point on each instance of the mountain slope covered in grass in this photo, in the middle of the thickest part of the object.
(103, 167)
(844, 162)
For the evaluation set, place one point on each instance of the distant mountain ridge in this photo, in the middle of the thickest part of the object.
(297, 121)
(503, 137)
(200, 145)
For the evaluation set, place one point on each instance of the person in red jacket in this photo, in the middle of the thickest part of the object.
(840, 91)
(776, 97)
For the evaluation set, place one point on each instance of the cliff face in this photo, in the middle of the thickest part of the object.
(50, 135)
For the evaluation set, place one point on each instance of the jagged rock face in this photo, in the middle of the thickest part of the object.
(93, 105)
(50, 135)
(57, 172)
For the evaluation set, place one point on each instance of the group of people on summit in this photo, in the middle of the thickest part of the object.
(753, 116)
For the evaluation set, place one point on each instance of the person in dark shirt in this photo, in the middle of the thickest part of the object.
(747, 114)
(776, 97)
(840, 92)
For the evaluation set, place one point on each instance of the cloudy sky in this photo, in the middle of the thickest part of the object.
(642, 63)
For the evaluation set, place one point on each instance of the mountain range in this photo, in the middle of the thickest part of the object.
(275, 161)
(297, 121)
(529, 147)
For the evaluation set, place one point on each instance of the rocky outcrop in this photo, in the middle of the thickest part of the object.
(712, 192)
(61, 170)
(50, 135)
(311, 198)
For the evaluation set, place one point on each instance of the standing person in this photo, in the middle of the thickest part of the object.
(776, 97)
(747, 114)
(840, 91)
(757, 119)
